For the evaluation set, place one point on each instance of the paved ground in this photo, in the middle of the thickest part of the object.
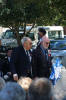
(60, 87)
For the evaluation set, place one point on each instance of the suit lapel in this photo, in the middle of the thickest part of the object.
(24, 55)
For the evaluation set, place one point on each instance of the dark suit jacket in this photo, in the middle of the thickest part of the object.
(5, 65)
(20, 63)
(40, 65)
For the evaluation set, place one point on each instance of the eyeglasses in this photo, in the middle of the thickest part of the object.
(47, 43)
(30, 43)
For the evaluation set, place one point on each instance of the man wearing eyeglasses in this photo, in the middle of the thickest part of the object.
(41, 62)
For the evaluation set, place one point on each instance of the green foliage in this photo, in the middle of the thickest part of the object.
(15, 13)
(58, 9)
(33, 11)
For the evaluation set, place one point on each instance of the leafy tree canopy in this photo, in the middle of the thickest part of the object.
(33, 11)
(16, 13)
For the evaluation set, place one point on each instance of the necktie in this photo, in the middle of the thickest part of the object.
(26, 52)
(28, 55)
(46, 53)
(29, 58)
(9, 59)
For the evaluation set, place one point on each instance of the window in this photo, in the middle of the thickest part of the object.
(59, 46)
(55, 34)
(8, 34)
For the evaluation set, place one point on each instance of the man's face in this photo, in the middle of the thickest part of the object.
(9, 53)
(40, 35)
(28, 44)
(46, 44)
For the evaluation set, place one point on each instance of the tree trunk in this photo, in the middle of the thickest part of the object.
(16, 31)
(17, 36)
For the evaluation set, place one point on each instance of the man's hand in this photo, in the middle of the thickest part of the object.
(15, 77)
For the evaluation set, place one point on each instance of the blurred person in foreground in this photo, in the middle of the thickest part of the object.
(25, 82)
(12, 91)
(41, 61)
(20, 63)
(40, 89)
(2, 83)
(64, 98)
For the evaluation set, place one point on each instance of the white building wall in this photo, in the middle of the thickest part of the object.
(2, 29)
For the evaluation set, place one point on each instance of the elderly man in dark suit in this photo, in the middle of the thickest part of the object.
(20, 64)
(41, 62)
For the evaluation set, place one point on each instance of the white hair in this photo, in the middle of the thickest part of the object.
(24, 39)
(45, 38)
(25, 82)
